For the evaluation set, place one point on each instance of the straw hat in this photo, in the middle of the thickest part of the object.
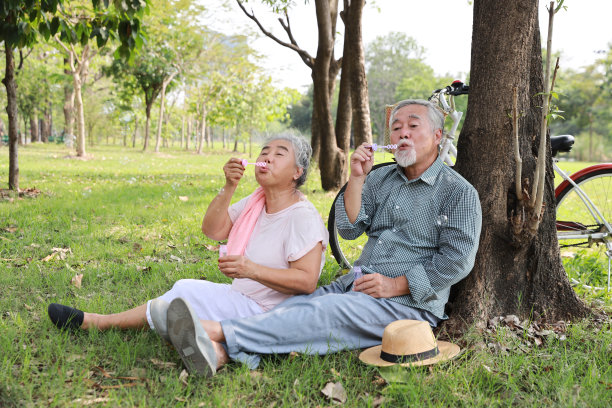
(409, 343)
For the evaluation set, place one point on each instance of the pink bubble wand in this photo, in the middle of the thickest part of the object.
(245, 162)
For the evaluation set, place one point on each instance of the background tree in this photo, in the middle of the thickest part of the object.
(514, 273)
(389, 60)
(328, 139)
(20, 26)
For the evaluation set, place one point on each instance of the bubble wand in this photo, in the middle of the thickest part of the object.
(245, 162)
(375, 147)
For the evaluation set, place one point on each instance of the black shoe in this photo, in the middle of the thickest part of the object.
(65, 317)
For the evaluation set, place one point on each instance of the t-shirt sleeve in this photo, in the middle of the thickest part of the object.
(235, 209)
(305, 230)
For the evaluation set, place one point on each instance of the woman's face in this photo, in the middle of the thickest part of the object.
(281, 169)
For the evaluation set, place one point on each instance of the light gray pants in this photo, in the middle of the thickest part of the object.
(331, 319)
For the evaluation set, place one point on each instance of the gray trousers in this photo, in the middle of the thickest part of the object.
(332, 318)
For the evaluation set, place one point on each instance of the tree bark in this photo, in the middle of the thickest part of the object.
(165, 84)
(11, 110)
(68, 105)
(524, 277)
(147, 125)
(34, 134)
(354, 57)
(202, 128)
(332, 160)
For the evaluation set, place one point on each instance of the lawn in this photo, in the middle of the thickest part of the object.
(130, 224)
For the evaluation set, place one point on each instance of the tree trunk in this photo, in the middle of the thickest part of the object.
(68, 106)
(512, 274)
(189, 130)
(11, 110)
(331, 159)
(183, 132)
(34, 134)
(45, 128)
(147, 125)
(354, 54)
(202, 129)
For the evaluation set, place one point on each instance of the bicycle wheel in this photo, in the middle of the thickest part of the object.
(573, 216)
(345, 251)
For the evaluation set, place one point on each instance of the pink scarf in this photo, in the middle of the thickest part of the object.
(245, 224)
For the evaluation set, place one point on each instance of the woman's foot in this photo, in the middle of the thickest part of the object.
(190, 340)
(65, 317)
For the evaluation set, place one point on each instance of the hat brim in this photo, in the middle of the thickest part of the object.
(447, 351)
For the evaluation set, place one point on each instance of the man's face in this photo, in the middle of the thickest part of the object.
(412, 132)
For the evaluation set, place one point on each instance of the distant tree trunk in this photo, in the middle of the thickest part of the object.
(224, 138)
(45, 129)
(147, 125)
(165, 84)
(135, 131)
(68, 104)
(34, 134)
(202, 129)
(11, 110)
(183, 132)
(512, 274)
(189, 130)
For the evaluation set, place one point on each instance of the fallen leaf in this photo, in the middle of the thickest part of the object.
(163, 364)
(183, 198)
(183, 376)
(334, 392)
(214, 248)
(76, 280)
(175, 258)
(137, 247)
(11, 229)
(87, 402)
(378, 401)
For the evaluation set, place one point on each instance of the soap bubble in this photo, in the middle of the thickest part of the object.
(442, 220)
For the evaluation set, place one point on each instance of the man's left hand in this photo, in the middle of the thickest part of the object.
(379, 286)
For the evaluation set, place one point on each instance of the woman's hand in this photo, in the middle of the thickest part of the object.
(379, 286)
(237, 266)
(234, 170)
(362, 160)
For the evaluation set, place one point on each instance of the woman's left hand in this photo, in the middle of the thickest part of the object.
(237, 266)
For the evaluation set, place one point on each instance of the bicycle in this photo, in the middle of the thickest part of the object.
(584, 197)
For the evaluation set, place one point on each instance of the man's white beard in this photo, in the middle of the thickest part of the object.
(405, 158)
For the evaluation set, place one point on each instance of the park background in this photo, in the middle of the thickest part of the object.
(127, 221)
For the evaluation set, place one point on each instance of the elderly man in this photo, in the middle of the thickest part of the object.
(423, 222)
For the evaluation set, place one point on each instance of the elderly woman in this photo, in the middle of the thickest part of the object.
(276, 243)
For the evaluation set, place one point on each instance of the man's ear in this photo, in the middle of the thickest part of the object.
(438, 136)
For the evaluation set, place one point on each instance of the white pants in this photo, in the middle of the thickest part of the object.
(211, 301)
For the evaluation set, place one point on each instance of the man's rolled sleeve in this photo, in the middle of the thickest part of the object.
(346, 229)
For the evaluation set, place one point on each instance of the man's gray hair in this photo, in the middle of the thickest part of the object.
(436, 118)
(302, 151)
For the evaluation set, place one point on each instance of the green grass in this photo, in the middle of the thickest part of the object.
(131, 236)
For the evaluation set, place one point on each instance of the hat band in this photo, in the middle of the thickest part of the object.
(409, 358)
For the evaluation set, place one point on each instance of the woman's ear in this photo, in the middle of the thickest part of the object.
(298, 173)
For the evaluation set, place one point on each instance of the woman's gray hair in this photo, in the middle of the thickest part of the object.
(302, 151)
(436, 118)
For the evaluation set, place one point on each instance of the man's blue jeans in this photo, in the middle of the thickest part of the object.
(332, 318)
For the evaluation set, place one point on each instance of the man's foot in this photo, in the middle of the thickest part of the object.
(159, 315)
(65, 317)
(190, 339)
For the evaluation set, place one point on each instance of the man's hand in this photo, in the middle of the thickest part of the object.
(237, 266)
(361, 161)
(379, 286)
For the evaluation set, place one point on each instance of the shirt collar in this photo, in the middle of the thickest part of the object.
(429, 176)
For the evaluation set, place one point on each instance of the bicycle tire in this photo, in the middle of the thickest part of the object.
(572, 213)
(337, 243)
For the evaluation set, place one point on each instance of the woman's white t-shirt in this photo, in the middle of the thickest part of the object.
(278, 239)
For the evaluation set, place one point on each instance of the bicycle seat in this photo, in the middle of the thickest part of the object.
(561, 143)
